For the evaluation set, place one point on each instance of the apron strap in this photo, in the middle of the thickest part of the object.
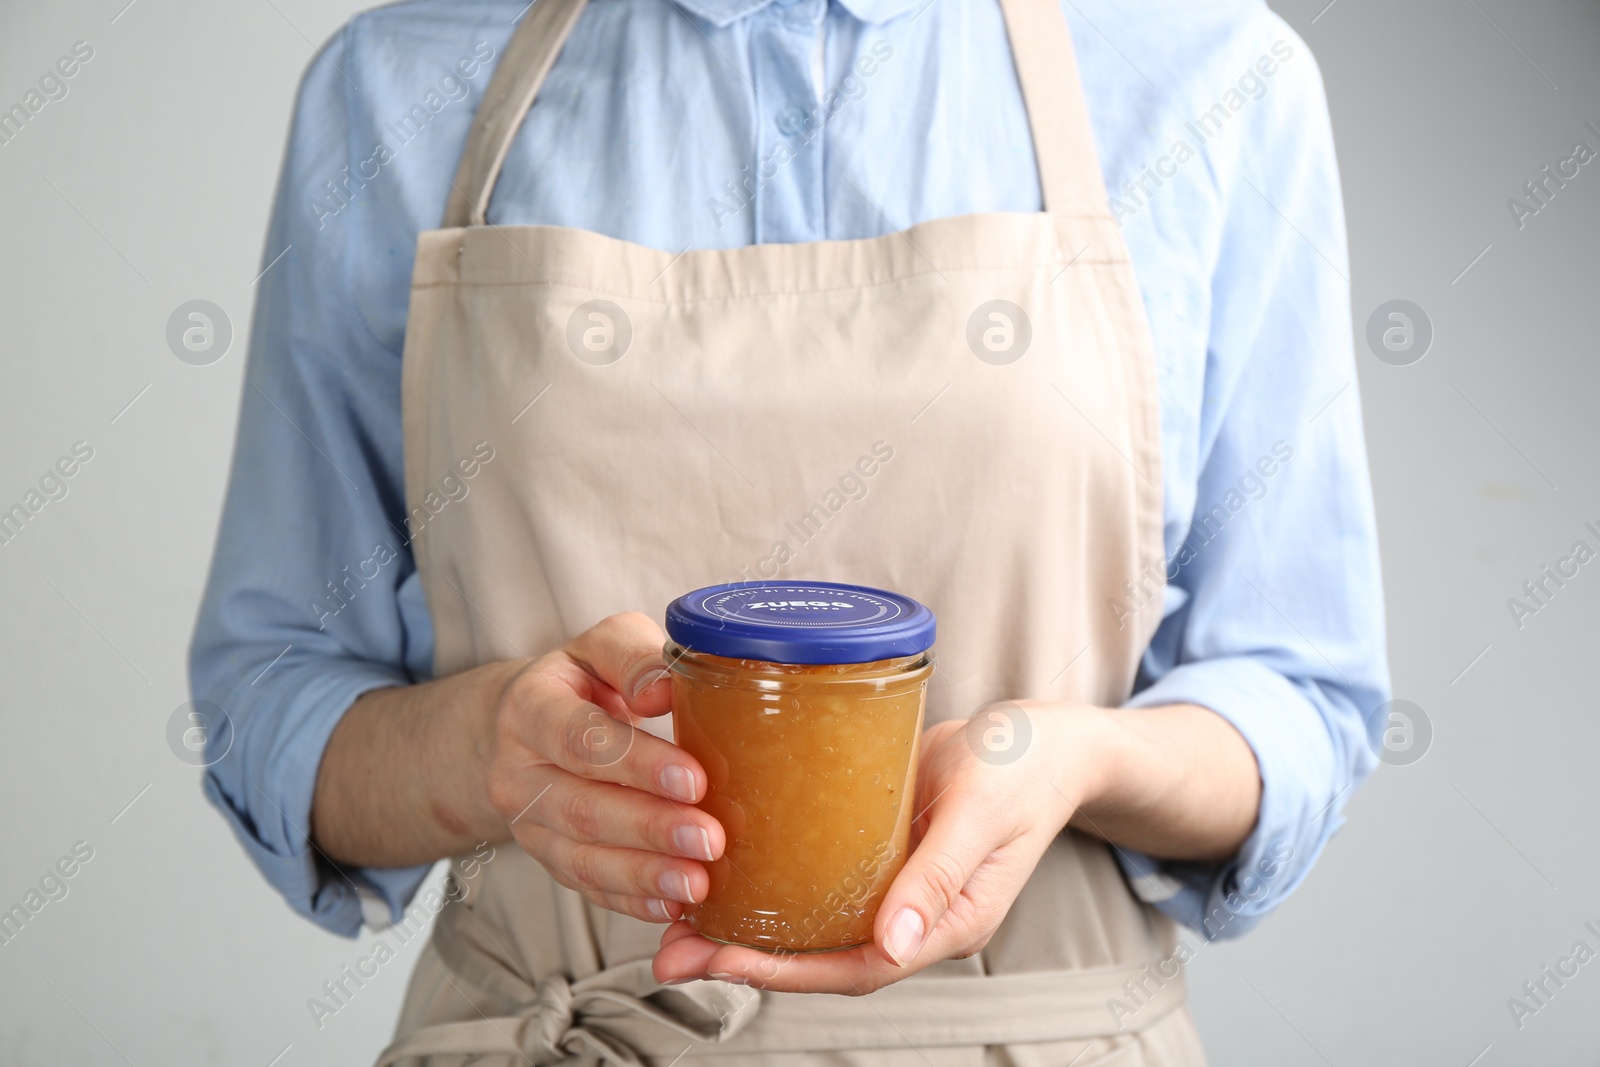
(1063, 140)
(1041, 47)
(528, 57)
(620, 1017)
(565, 1021)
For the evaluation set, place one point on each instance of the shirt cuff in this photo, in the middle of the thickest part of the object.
(264, 784)
(1287, 730)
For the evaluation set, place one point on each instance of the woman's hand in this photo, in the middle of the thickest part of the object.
(992, 793)
(986, 814)
(605, 807)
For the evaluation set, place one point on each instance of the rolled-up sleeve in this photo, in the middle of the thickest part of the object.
(1274, 607)
(312, 598)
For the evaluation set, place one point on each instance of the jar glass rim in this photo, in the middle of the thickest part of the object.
(769, 673)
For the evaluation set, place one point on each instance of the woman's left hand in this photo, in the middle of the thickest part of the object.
(992, 793)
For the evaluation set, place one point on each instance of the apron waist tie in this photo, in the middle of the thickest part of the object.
(621, 1014)
(585, 1019)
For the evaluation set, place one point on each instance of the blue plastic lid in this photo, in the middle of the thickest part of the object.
(800, 622)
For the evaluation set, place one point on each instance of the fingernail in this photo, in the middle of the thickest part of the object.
(679, 981)
(677, 782)
(903, 939)
(646, 680)
(675, 886)
(658, 910)
(692, 841)
(731, 979)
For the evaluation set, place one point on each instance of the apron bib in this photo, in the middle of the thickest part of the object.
(965, 412)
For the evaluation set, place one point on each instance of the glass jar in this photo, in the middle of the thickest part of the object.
(804, 703)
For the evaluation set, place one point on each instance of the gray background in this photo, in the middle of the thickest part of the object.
(1458, 877)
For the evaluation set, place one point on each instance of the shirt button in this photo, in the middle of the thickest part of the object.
(791, 120)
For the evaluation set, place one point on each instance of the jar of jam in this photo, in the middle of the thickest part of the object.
(803, 701)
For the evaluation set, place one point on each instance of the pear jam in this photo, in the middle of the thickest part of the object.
(804, 703)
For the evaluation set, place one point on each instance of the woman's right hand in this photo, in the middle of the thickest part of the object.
(606, 808)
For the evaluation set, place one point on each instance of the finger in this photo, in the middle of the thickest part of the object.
(624, 652)
(581, 738)
(649, 909)
(602, 813)
(677, 932)
(932, 884)
(685, 955)
(624, 872)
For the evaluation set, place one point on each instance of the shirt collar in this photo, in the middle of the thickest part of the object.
(721, 13)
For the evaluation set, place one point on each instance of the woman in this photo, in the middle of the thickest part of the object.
(732, 289)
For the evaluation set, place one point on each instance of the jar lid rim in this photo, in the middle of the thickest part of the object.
(801, 622)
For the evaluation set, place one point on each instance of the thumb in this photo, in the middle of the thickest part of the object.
(623, 653)
(931, 884)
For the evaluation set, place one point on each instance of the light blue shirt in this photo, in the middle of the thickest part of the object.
(665, 124)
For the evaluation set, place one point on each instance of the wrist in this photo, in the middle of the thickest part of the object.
(1087, 747)
(472, 795)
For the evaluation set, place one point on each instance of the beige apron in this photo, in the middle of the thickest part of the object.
(846, 410)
